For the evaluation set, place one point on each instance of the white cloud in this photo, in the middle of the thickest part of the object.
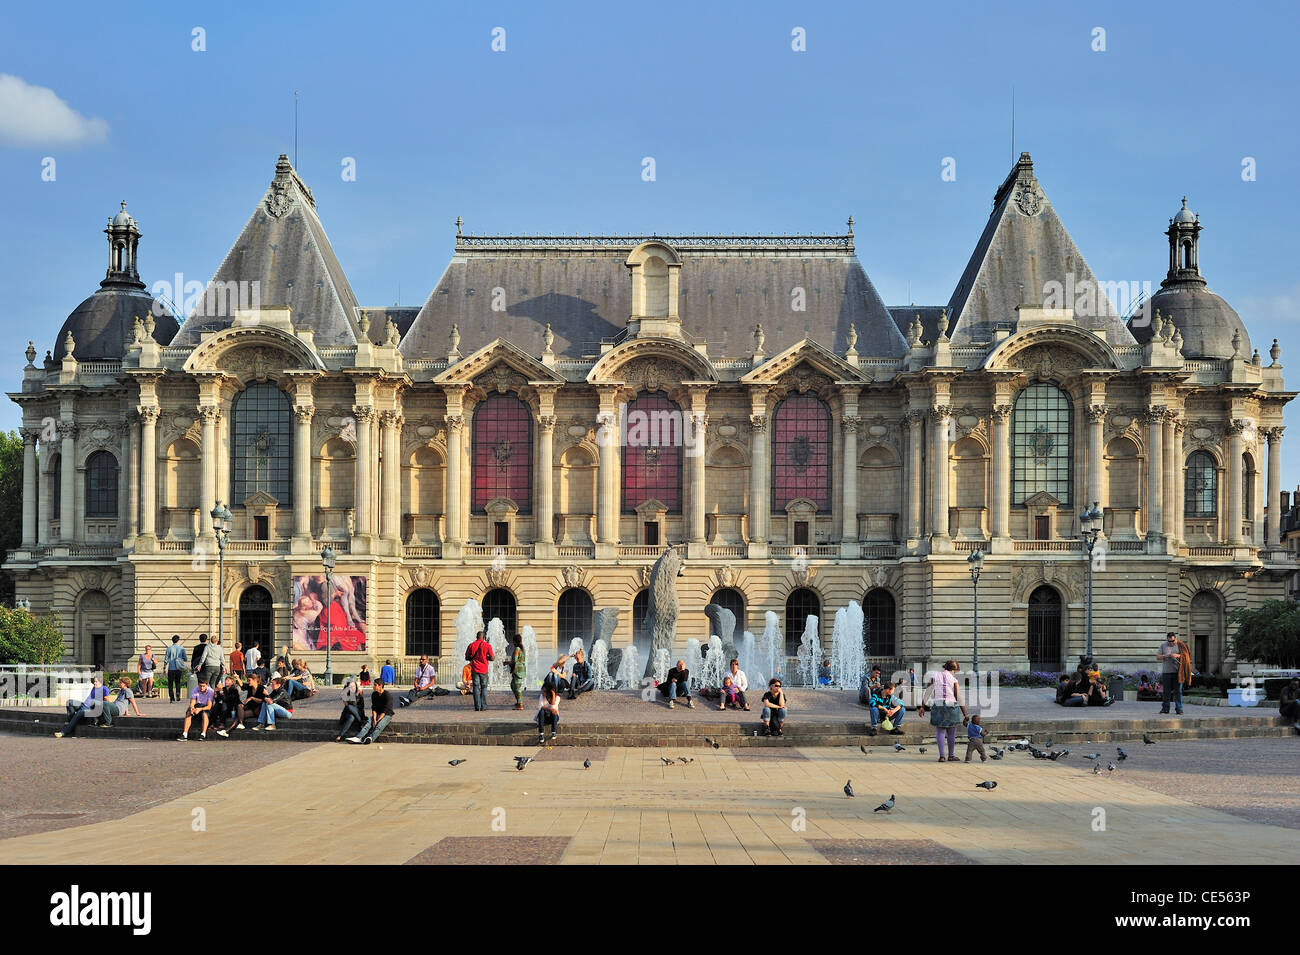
(1280, 306)
(35, 116)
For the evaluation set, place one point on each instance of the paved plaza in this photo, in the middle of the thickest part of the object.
(100, 801)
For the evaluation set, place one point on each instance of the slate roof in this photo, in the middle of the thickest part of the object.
(1024, 246)
(102, 323)
(284, 248)
(904, 315)
(581, 286)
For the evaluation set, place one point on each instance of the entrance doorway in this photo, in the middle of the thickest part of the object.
(1044, 630)
(255, 623)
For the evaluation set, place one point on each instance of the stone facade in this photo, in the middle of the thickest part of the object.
(926, 458)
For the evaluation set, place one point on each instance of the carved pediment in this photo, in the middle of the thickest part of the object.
(260, 499)
(1042, 501)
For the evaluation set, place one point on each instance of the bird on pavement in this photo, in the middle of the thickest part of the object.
(455, 762)
(1146, 738)
(987, 784)
(1120, 754)
(1055, 756)
(865, 751)
(684, 760)
(848, 788)
(1092, 755)
(1110, 767)
(1096, 769)
(522, 761)
(885, 806)
(898, 747)
(712, 743)
(586, 763)
(1047, 745)
(996, 754)
(922, 750)
(666, 760)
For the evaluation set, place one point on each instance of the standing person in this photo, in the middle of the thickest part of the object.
(480, 657)
(775, 708)
(518, 669)
(175, 661)
(580, 680)
(387, 674)
(381, 714)
(425, 679)
(676, 684)
(253, 659)
(237, 663)
(144, 668)
(354, 710)
(200, 708)
(975, 738)
(207, 661)
(548, 711)
(1172, 667)
(947, 710)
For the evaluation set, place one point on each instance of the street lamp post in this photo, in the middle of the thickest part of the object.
(1090, 522)
(328, 558)
(222, 521)
(976, 563)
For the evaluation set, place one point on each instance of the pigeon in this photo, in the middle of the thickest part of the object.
(684, 760)
(922, 750)
(865, 751)
(1092, 755)
(455, 762)
(1047, 745)
(996, 754)
(522, 761)
(1121, 755)
(1110, 767)
(885, 806)
(586, 763)
(667, 761)
(1096, 769)
(712, 743)
(898, 747)
(987, 784)
(1148, 740)
(848, 788)
(1064, 753)
(1055, 756)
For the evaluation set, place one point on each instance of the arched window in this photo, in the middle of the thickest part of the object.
(1201, 490)
(573, 618)
(801, 453)
(261, 444)
(423, 627)
(801, 604)
(879, 634)
(1247, 488)
(503, 453)
(652, 453)
(56, 487)
(733, 600)
(1042, 443)
(1044, 636)
(255, 613)
(101, 485)
(640, 608)
(500, 604)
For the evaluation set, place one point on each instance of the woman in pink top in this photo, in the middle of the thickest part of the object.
(947, 710)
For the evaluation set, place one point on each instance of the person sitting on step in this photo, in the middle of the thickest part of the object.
(676, 684)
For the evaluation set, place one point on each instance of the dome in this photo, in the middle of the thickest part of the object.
(102, 324)
(1185, 214)
(123, 218)
(1206, 322)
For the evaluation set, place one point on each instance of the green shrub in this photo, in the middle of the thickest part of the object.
(1268, 634)
(27, 638)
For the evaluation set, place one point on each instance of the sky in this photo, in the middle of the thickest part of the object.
(549, 135)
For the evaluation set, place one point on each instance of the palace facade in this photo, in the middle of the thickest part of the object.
(562, 408)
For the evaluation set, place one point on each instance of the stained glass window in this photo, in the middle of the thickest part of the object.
(56, 487)
(652, 454)
(422, 623)
(801, 452)
(101, 485)
(1042, 442)
(1247, 487)
(1201, 486)
(261, 444)
(503, 453)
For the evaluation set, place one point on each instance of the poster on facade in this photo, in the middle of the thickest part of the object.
(344, 621)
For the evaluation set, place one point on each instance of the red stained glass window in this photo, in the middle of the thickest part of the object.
(801, 452)
(503, 453)
(652, 453)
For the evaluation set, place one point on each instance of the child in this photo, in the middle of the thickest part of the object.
(364, 677)
(975, 738)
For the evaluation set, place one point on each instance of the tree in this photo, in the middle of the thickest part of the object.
(1268, 634)
(26, 638)
(11, 506)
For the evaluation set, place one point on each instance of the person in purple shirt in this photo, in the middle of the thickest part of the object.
(201, 707)
(425, 680)
(92, 705)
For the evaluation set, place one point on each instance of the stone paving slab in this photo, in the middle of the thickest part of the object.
(493, 850)
(884, 852)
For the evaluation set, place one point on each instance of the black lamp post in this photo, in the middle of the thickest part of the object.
(222, 522)
(328, 558)
(976, 563)
(1089, 528)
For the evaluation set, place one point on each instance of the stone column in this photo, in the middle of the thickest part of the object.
(223, 455)
(68, 520)
(364, 416)
(759, 479)
(29, 436)
(607, 491)
(1180, 483)
(1234, 483)
(148, 470)
(123, 477)
(939, 418)
(849, 422)
(302, 458)
(695, 460)
(1169, 513)
(208, 484)
(915, 472)
(1096, 463)
(544, 513)
(451, 493)
(1001, 472)
(1152, 520)
(44, 482)
(133, 481)
(389, 523)
(1273, 538)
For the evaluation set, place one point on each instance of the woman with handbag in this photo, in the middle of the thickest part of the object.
(947, 711)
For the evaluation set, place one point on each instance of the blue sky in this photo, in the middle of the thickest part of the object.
(748, 136)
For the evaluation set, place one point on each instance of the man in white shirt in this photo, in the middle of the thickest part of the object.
(252, 659)
(425, 680)
(735, 693)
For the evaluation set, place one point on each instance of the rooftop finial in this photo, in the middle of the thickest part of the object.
(850, 225)
(459, 222)
(1275, 352)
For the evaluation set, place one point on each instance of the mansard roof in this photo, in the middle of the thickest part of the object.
(1023, 247)
(580, 286)
(284, 249)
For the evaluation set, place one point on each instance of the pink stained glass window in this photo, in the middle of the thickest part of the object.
(503, 453)
(801, 452)
(652, 453)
